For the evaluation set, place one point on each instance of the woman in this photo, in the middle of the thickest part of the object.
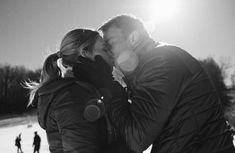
(62, 99)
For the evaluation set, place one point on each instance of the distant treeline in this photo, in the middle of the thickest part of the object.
(13, 97)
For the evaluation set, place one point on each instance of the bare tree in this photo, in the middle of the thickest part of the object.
(233, 80)
(225, 64)
(217, 73)
(13, 97)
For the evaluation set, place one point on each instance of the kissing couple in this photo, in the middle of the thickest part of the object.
(123, 91)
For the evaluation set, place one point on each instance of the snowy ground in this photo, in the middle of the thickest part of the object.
(10, 128)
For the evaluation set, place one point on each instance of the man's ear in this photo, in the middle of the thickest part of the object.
(134, 38)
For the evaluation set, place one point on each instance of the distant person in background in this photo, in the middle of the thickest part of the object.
(18, 144)
(36, 142)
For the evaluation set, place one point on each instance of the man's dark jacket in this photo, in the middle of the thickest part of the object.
(174, 105)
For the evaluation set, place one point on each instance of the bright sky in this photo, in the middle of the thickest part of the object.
(30, 29)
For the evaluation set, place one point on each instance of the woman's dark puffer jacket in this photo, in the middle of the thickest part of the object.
(60, 112)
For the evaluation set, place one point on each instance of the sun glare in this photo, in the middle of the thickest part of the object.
(160, 11)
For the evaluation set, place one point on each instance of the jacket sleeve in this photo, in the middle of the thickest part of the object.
(55, 142)
(154, 95)
(77, 134)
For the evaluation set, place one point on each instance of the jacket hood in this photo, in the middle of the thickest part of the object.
(46, 95)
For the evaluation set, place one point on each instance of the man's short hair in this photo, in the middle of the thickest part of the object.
(127, 23)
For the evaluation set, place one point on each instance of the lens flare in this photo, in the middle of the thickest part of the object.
(127, 61)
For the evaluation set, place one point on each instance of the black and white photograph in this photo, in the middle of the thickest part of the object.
(117, 76)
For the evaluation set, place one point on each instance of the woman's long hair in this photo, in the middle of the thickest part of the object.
(72, 43)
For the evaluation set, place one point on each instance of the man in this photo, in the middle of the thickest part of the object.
(171, 102)
(36, 142)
